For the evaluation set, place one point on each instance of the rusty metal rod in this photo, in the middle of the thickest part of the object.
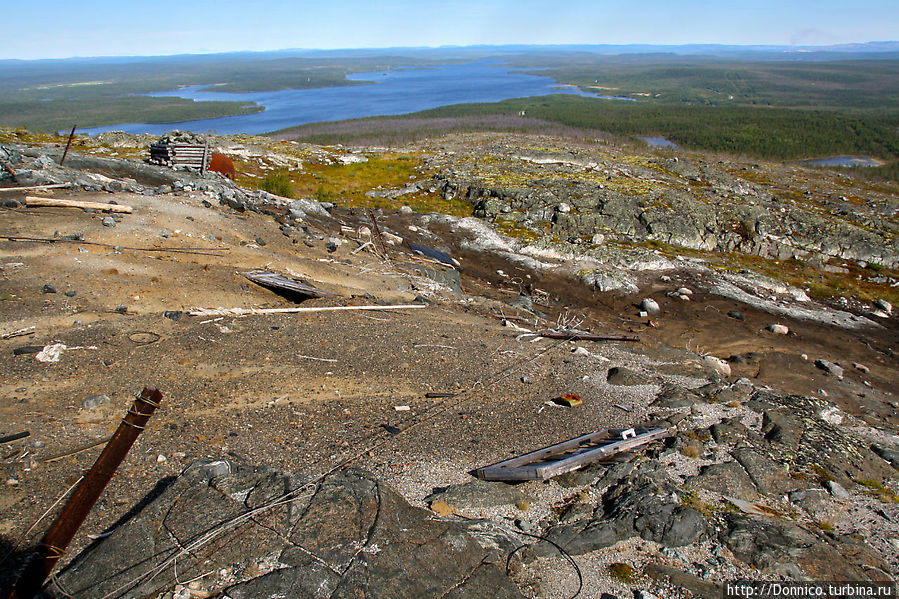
(60, 534)
(68, 144)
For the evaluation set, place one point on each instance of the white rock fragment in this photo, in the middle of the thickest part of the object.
(720, 366)
(831, 415)
(778, 329)
(685, 291)
(884, 305)
(51, 353)
(861, 367)
(598, 239)
(564, 208)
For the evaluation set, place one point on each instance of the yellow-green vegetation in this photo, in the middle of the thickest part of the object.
(822, 474)
(818, 284)
(879, 490)
(622, 572)
(346, 184)
(515, 231)
(691, 500)
(278, 183)
(80, 143)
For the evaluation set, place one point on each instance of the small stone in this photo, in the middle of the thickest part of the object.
(121, 309)
(580, 351)
(884, 305)
(260, 241)
(442, 508)
(649, 305)
(160, 459)
(12, 482)
(777, 329)
(173, 314)
(736, 314)
(836, 490)
(598, 239)
(643, 314)
(720, 366)
(564, 208)
(831, 415)
(108, 221)
(830, 368)
(526, 380)
(95, 401)
(861, 367)
(524, 525)
(685, 291)
(10, 204)
(48, 288)
(71, 293)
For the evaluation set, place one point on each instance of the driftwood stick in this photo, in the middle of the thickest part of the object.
(55, 202)
(254, 311)
(574, 336)
(81, 449)
(36, 187)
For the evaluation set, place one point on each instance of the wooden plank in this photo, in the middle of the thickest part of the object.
(256, 311)
(568, 456)
(54, 202)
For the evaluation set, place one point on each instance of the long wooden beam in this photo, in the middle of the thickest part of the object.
(56, 202)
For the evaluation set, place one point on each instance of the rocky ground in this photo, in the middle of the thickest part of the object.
(298, 454)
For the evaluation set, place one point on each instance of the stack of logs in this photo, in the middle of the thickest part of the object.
(176, 155)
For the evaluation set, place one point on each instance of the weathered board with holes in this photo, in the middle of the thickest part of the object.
(273, 280)
(572, 454)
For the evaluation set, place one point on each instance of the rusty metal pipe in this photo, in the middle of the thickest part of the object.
(60, 534)
(68, 144)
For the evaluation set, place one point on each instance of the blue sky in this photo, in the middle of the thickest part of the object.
(58, 29)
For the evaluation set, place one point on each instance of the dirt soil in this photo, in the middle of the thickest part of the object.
(309, 392)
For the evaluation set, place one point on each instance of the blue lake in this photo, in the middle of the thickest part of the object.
(397, 91)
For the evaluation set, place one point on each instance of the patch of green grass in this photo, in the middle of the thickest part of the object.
(822, 474)
(879, 490)
(278, 183)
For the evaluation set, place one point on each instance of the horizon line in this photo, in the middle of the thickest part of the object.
(779, 47)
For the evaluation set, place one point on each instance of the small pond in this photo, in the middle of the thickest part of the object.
(844, 161)
(659, 142)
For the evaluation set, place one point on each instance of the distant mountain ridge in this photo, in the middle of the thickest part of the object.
(838, 51)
